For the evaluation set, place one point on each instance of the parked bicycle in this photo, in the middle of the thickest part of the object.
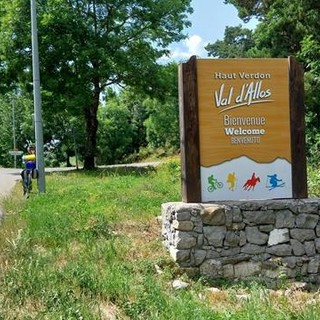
(29, 172)
(26, 182)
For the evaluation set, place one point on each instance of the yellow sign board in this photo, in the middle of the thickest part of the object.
(244, 128)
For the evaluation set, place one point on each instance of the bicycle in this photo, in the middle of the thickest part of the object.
(27, 176)
(215, 186)
(30, 171)
(26, 182)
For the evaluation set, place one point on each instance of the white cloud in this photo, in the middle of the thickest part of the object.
(193, 45)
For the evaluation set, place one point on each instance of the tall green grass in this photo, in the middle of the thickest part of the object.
(90, 248)
(313, 174)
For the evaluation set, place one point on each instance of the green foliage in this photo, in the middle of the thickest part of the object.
(236, 43)
(310, 48)
(63, 134)
(310, 55)
(313, 138)
(85, 46)
(285, 28)
(16, 121)
(132, 120)
(65, 138)
(282, 29)
(132, 99)
(115, 135)
(248, 8)
(313, 181)
(89, 247)
(162, 125)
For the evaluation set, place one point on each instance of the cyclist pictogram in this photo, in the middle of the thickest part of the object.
(214, 183)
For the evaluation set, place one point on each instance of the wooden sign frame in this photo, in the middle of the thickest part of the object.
(189, 130)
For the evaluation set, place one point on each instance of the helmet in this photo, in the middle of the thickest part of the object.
(31, 148)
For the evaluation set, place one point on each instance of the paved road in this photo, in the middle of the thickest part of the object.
(8, 179)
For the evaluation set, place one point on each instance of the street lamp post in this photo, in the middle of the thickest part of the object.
(14, 131)
(37, 99)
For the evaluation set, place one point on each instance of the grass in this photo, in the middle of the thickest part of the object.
(90, 248)
(313, 181)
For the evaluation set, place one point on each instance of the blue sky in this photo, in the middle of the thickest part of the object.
(209, 19)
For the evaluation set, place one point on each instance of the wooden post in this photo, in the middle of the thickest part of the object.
(297, 127)
(189, 131)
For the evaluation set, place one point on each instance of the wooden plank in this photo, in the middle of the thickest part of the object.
(190, 97)
(189, 131)
(215, 145)
(297, 121)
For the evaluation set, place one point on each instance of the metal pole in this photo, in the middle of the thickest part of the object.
(37, 99)
(14, 131)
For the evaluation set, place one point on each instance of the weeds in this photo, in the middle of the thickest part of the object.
(313, 181)
(90, 248)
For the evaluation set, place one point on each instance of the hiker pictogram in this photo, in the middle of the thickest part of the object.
(231, 180)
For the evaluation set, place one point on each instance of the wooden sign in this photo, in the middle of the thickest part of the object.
(242, 129)
(15, 152)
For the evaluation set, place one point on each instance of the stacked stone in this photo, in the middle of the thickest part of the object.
(241, 239)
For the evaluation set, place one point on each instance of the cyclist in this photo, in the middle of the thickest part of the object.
(29, 170)
(214, 183)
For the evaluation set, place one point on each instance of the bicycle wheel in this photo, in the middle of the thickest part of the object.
(24, 181)
(219, 185)
(27, 184)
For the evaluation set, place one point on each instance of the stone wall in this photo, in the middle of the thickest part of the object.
(244, 239)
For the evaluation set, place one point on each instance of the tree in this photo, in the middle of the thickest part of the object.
(87, 45)
(248, 8)
(134, 121)
(259, 8)
(236, 43)
(65, 138)
(16, 125)
(116, 132)
(132, 99)
(162, 125)
(290, 27)
(310, 54)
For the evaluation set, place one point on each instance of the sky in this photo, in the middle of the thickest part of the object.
(209, 20)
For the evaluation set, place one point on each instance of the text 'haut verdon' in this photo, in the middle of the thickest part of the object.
(253, 92)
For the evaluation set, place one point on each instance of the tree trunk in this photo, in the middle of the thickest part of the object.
(69, 154)
(91, 129)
